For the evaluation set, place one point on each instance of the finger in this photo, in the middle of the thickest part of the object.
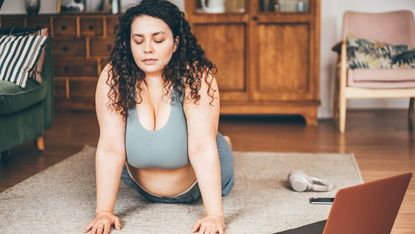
(196, 226)
(94, 229)
(202, 229)
(221, 230)
(117, 223)
(87, 228)
(107, 228)
(207, 230)
(100, 228)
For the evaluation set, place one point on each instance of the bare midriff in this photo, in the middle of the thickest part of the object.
(164, 182)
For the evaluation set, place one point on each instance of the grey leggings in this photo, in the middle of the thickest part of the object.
(193, 195)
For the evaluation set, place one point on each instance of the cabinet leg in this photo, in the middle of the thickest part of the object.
(40, 143)
(311, 120)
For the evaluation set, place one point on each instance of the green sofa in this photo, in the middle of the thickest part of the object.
(25, 113)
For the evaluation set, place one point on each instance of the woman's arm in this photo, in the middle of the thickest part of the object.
(202, 123)
(109, 159)
(110, 156)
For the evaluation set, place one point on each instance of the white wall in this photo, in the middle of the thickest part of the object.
(331, 21)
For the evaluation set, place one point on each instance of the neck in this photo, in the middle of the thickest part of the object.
(154, 80)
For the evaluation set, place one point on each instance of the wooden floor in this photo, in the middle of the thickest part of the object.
(382, 141)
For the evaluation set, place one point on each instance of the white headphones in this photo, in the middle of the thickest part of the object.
(301, 182)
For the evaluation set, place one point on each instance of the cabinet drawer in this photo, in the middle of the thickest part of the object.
(111, 25)
(73, 47)
(83, 88)
(75, 67)
(76, 87)
(64, 27)
(75, 93)
(91, 27)
(59, 87)
(101, 46)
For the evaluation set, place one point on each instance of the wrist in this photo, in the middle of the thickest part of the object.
(97, 212)
(217, 214)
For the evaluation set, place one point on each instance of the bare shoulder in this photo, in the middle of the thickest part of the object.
(209, 90)
(103, 88)
(103, 91)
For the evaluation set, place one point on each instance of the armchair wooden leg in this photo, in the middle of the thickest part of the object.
(40, 143)
(411, 108)
(336, 105)
(342, 114)
(336, 94)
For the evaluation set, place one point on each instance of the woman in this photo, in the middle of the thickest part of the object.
(157, 105)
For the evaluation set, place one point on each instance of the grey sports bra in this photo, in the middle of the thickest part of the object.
(163, 148)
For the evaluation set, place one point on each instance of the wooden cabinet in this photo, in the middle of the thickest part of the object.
(80, 45)
(267, 56)
(267, 59)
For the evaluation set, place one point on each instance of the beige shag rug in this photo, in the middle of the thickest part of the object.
(61, 199)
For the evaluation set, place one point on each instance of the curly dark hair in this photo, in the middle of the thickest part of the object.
(187, 67)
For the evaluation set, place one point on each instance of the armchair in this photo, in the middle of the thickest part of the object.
(395, 27)
(25, 113)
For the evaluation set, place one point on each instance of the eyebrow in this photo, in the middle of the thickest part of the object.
(153, 34)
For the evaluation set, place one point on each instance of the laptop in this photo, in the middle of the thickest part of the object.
(362, 209)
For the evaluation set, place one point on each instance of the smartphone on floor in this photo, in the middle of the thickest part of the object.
(321, 200)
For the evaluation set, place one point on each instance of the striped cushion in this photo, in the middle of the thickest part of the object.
(19, 56)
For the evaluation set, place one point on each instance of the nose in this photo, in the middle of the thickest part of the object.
(148, 47)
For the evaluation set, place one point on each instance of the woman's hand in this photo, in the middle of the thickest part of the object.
(210, 224)
(102, 223)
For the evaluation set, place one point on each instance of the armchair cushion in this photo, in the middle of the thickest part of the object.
(17, 31)
(381, 78)
(363, 53)
(14, 98)
(19, 56)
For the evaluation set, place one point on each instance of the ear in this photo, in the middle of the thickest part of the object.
(176, 43)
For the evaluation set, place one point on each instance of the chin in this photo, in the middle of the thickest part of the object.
(150, 69)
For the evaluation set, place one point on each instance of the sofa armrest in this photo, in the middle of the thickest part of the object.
(47, 77)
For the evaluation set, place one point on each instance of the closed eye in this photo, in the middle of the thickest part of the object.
(159, 41)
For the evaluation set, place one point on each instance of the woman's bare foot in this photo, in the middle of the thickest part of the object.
(228, 139)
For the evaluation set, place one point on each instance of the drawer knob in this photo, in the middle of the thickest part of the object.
(65, 69)
(63, 27)
(91, 27)
(64, 48)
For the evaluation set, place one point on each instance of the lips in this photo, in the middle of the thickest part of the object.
(149, 61)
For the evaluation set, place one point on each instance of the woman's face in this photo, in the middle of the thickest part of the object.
(152, 43)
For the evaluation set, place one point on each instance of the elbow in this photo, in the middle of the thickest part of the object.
(113, 155)
(204, 149)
